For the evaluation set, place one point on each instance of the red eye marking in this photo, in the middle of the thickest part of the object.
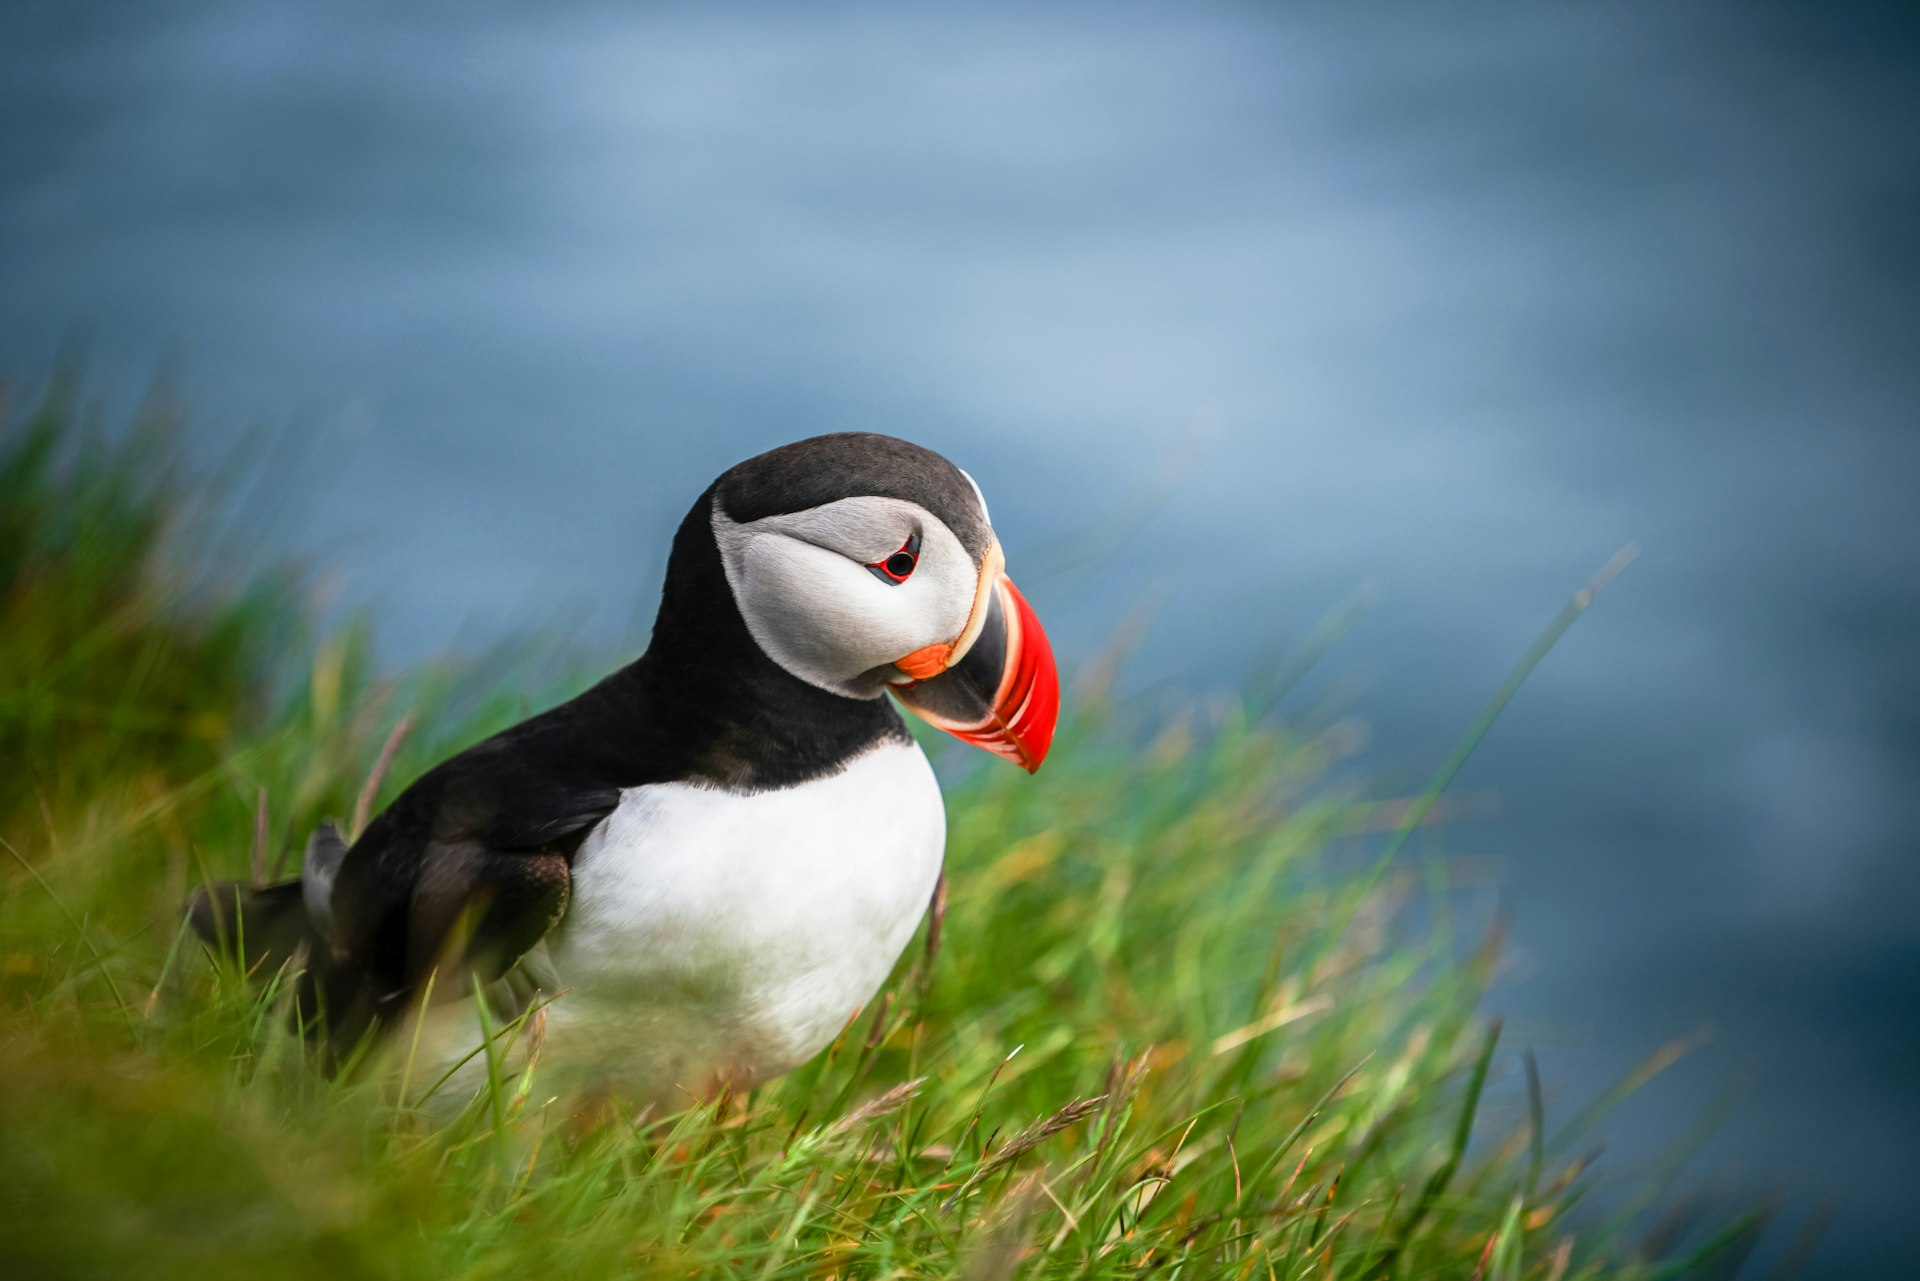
(896, 568)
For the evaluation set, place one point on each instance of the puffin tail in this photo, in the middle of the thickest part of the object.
(266, 926)
(290, 924)
(270, 926)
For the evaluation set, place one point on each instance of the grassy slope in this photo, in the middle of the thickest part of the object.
(1160, 1029)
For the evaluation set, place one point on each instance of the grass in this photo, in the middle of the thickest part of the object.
(1180, 1016)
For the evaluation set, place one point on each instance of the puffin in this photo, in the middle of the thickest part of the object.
(705, 865)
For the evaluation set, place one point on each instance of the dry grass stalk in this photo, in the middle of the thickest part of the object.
(879, 1105)
(1026, 1141)
(363, 807)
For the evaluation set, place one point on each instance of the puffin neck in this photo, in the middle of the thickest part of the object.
(748, 721)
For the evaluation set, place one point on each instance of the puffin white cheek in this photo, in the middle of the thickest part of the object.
(822, 617)
(898, 619)
(869, 624)
(942, 589)
(794, 603)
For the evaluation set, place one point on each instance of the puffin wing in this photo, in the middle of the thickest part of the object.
(463, 874)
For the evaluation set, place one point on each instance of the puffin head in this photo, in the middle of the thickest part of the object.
(865, 565)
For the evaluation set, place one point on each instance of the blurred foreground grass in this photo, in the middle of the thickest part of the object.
(1161, 1029)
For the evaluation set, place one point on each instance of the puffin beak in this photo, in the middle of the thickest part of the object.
(995, 686)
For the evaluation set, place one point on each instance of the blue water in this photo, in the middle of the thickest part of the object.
(1235, 312)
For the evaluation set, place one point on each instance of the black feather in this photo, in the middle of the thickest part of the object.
(265, 926)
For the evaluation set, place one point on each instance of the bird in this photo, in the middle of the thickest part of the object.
(707, 863)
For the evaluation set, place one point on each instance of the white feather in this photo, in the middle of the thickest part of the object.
(803, 588)
(714, 934)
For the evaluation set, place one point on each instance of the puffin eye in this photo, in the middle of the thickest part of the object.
(896, 568)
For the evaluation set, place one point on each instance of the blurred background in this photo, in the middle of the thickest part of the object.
(1240, 314)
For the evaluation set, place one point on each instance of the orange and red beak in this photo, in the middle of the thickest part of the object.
(996, 686)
